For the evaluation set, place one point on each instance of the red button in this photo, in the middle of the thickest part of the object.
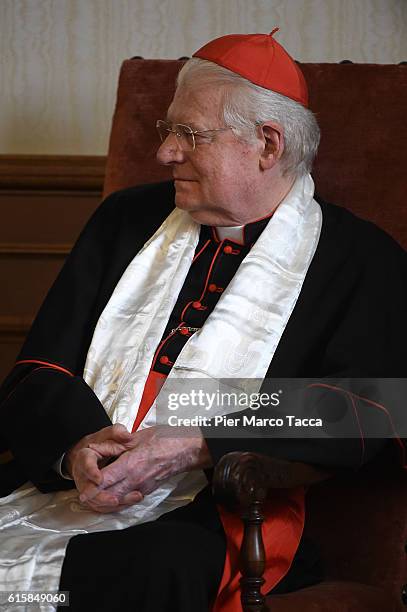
(196, 305)
(164, 360)
(227, 249)
(184, 331)
(212, 287)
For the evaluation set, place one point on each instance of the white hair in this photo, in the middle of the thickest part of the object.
(246, 105)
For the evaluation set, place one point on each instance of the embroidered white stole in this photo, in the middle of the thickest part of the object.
(240, 336)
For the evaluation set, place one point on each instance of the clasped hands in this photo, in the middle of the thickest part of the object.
(114, 469)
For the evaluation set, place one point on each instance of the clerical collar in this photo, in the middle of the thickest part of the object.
(242, 234)
(234, 233)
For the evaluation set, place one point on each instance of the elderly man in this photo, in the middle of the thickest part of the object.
(249, 278)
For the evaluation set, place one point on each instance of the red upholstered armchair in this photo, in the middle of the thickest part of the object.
(360, 520)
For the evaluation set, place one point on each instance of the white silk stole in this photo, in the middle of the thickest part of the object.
(240, 336)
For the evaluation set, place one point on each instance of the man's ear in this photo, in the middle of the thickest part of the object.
(272, 135)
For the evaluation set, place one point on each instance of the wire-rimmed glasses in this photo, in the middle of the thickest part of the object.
(185, 135)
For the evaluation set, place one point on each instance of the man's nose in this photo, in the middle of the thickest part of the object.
(170, 151)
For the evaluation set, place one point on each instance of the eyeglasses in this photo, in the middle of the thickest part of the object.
(185, 135)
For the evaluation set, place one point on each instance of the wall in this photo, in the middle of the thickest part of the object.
(59, 59)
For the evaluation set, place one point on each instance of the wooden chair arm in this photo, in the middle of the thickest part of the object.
(241, 483)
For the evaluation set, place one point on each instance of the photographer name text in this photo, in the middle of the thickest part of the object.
(244, 420)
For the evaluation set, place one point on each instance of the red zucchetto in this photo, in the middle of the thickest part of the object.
(259, 59)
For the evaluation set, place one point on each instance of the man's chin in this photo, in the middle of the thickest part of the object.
(181, 204)
(186, 203)
(195, 208)
(199, 216)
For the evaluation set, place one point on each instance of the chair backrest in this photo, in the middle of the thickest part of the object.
(361, 109)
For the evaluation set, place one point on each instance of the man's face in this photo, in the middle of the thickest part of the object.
(215, 183)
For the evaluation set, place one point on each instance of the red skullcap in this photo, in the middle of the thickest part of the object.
(259, 59)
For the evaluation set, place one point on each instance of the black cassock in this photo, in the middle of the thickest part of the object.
(349, 321)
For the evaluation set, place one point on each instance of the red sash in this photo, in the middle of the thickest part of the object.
(153, 385)
(282, 530)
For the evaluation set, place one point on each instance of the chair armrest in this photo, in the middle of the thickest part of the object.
(242, 478)
(241, 483)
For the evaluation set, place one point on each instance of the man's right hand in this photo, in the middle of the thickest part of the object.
(84, 464)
